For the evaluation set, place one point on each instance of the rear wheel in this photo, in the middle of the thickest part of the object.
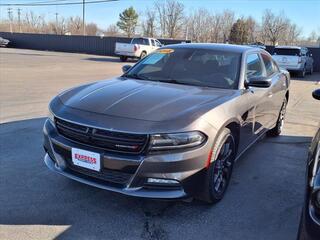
(143, 55)
(123, 58)
(302, 73)
(276, 131)
(219, 173)
(311, 70)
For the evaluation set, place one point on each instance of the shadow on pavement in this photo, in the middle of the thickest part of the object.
(315, 77)
(263, 200)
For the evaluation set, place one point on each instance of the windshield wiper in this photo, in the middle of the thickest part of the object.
(136, 76)
(175, 82)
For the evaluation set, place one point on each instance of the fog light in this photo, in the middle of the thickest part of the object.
(316, 200)
(162, 181)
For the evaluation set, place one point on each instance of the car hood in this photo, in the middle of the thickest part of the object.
(143, 100)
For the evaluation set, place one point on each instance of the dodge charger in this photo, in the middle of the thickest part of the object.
(172, 126)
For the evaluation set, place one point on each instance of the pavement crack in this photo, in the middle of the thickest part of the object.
(153, 212)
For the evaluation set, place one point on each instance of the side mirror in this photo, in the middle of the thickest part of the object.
(316, 94)
(259, 82)
(126, 68)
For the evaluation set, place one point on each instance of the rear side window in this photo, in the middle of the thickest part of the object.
(269, 65)
(254, 66)
(141, 41)
(286, 51)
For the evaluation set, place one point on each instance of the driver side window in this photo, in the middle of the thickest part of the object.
(253, 66)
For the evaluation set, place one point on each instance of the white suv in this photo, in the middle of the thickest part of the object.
(294, 59)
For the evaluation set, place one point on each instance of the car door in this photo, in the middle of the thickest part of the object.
(261, 98)
(254, 118)
(277, 90)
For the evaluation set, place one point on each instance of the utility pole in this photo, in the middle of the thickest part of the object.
(83, 16)
(57, 22)
(19, 19)
(10, 18)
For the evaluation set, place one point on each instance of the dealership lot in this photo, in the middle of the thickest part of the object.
(263, 201)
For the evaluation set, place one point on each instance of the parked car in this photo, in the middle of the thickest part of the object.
(294, 59)
(310, 219)
(172, 125)
(4, 42)
(138, 48)
(258, 44)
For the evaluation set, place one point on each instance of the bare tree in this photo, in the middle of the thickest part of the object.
(170, 18)
(149, 24)
(293, 33)
(112, 30)
(92, 29)
(33, 22)
(196, 23)
(252, 28)
(58, 27)
(215, 28)
(74, 25)
(274, 26)
(227, 20)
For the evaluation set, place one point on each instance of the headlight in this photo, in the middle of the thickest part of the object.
(160, 142)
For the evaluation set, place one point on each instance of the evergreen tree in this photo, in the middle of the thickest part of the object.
(239, 33)
(128, 21)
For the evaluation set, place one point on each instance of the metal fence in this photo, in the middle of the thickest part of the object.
(65, 43)
(91, 44)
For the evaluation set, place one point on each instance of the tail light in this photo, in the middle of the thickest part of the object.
(299, 60)
(136, 47)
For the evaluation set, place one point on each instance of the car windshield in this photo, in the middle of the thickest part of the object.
(198, 67)
(286, 51)
(141, 41)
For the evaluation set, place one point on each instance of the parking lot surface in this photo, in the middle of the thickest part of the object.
(263, 201)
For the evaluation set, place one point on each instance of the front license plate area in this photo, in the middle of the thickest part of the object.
(86, 159)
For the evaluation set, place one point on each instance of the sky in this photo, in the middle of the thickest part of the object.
(305, 13)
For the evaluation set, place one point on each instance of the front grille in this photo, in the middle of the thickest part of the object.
(104, 139)
(108, 175)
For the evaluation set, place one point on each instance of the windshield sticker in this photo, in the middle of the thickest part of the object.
(154, 58)
(165, 51)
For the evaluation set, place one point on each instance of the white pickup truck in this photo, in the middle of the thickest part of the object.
(138, 48)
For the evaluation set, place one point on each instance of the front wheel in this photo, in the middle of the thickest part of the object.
(123, 58)
(219, 173)
(276, 131)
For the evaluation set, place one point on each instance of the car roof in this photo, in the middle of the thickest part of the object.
(214, 46)
(289, 47)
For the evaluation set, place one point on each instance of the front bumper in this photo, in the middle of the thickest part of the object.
(187, 168)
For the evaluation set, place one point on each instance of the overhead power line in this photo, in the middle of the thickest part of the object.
(39, 4)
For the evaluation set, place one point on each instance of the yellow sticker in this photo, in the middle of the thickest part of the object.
(165, 51)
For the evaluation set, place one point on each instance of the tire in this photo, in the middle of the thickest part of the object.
(311, 70)
(143, 55)
(302, 73)
(218, 175)
(123, 58)
(276, 131)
